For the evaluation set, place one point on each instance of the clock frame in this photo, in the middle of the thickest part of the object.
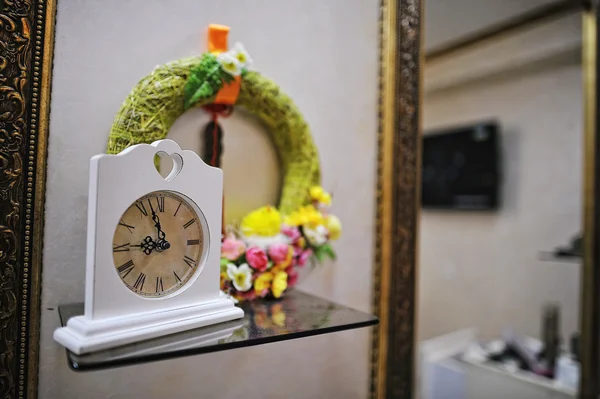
(116, 315)
(159, 244)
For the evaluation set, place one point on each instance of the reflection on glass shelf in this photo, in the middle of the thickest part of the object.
(294, 316)
(572, 252)
(561, 256)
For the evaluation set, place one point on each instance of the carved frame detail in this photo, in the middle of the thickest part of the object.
(26, 47)
(398, 199)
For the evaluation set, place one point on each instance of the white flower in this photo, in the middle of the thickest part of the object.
(229, 63)
(240, 276)
(316, 236)
(265, 242)
(240, 54)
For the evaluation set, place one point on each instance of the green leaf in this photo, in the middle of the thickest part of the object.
(202, 93)
(324, 251)
(224, 263)
(204, 81)
(224, 76)
(320, 254)
(329, 251)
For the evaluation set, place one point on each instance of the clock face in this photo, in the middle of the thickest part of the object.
(159, 244)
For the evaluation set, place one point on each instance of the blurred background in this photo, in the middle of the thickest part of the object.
(499, 283)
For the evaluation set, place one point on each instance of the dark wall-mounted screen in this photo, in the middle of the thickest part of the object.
(461, 168)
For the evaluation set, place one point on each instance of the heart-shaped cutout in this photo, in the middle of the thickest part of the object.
(168, 165)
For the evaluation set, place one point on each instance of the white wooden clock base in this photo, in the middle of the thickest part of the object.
(84, 335)
(116, 314)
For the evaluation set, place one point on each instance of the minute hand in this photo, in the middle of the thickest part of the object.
(160, 235)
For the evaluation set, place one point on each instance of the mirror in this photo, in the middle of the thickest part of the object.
(501, 205)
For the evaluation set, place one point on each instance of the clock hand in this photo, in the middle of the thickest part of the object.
(161, 243)
(147, 245)
(160, 234)
(156, 221)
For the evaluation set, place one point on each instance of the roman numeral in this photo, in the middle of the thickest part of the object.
(130, 228)
(159, 285)
(139, 283)
(190, 262)
(177, 277)
(125, 268)
(121, 248)
(160, 204)
(142, 208)
(188, 224)
(151, 208)
(193, 242)
(177, 210)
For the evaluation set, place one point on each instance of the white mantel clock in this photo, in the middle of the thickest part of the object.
(153, 250)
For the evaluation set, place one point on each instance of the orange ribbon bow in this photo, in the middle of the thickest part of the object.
(217, 43)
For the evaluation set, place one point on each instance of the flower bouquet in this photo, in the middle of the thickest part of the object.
(263, 255)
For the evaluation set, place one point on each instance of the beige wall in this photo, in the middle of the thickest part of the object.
(483, 269)
(324, 55)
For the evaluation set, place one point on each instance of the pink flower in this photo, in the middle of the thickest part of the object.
(291, 232)
(304, 257)
(279, 252)
(245, 296)
(297, 251)
(292, 276)
(257, 258)
(232, 248)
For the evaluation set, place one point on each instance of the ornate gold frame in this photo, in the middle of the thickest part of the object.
(26, 42)
(590, 277)
(398, 198)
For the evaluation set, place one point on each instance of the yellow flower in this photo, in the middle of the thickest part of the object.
(305, 216)
(279, 284)
(276, 269)
(301, 242)
(279, 267)
(334, 226)
(315, 192)
(325, 199)
(294, 219)
(261, 319)
(278, 315)
(263, 282)
(265, 221)
(223, 279)
(319, 195)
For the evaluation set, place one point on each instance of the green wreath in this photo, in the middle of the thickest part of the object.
(165, 94)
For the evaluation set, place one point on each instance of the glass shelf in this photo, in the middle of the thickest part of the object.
(296, 315)
(561, 256)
